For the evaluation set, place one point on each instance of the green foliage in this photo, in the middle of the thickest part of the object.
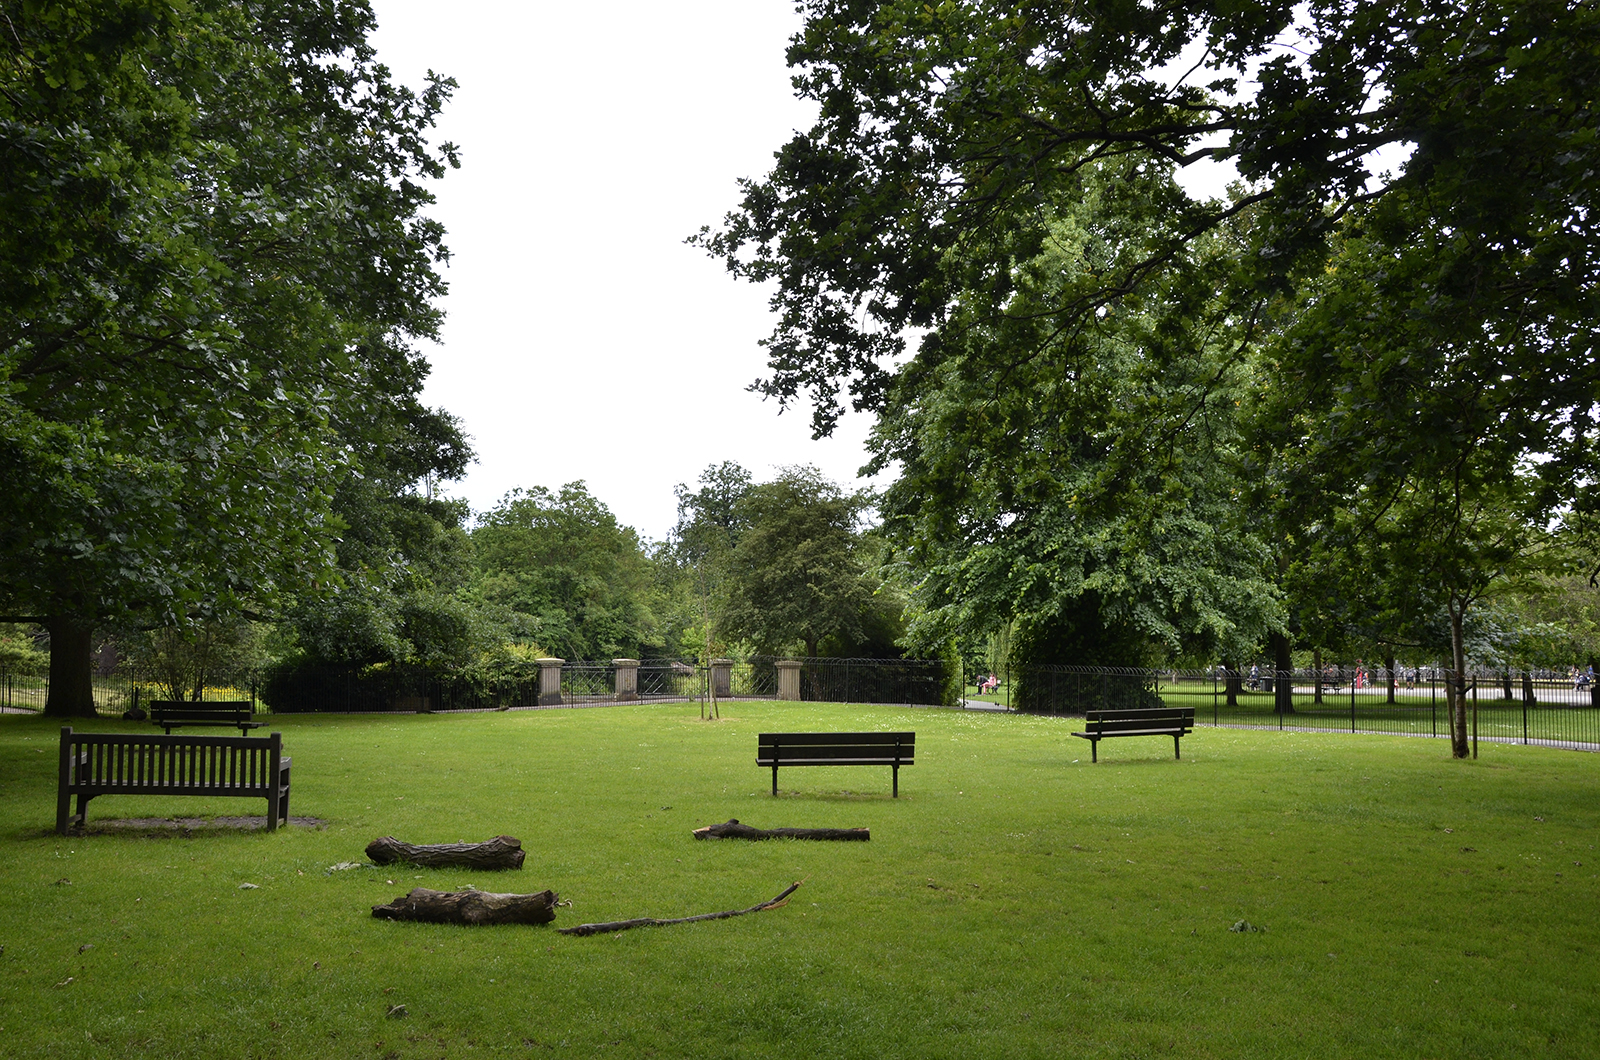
(570, 575)
(213, 264)
(799, 572)
(184, 662)
(18, 653)
(1403, 344)
(1083, 482)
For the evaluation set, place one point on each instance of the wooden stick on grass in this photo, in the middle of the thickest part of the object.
(648, 921)
(734, 830)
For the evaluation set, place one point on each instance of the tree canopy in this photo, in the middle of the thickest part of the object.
(213, 266)
(578, 582)
(1400, 293)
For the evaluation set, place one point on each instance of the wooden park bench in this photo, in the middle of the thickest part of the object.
(231, 714)
(120, 764)
(1175, 722)
(893, 749)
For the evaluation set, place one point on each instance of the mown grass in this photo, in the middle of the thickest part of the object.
(1014, 901)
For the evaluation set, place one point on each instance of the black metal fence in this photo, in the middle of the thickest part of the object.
(353, 690)
(1520, 706)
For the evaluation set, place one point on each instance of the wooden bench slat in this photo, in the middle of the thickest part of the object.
(94, 764)
(892, 749)
(1175, 722)
(170, 714)
(831, 738)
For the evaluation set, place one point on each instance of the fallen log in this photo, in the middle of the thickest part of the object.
(647, 921)
(734, 830)
(501, 852)
(472, 908)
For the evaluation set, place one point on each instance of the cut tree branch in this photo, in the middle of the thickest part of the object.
(472, 908)
(734, 830)
(501, 852)
(624, 925)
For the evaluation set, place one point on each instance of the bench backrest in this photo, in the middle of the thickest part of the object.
(113, 763)
(229, 711)
(842, 748)
(1143, 719)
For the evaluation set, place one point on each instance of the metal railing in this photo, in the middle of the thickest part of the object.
(1517, 706)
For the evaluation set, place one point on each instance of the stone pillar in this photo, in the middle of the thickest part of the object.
(789, 680)
(550, 682)
(721, 678)
(627, 685)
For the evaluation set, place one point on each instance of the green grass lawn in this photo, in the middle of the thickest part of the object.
(1014, 901)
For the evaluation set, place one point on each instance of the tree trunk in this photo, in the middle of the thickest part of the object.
(71, 668)
(1458, 685)
(1388, 667)
(1505, 686)
(734, 830)
(1232, 683)
(1316, 664)
(1283, 674)
(472, 908)
(501, 852)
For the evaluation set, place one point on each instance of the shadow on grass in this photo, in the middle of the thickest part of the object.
(174, 827)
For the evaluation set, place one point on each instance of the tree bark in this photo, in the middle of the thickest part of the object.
(1388, 668)
(1232, 684)
(1316, 664)
(501, 852)
(71, 668)
(1458, 684)
(734, 830)
(1283, 674)
(472, 908)
(650, 921)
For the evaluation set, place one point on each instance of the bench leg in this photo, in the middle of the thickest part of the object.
(896, 781)
(1175, 752)
(774, 780)
(1094, 749)
(283, 795)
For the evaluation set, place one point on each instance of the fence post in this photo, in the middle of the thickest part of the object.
(625, 685)
(789, 680)
(1433, 702)
(721, 678)
(1213, 697)
(1352, 702)
(550, 682)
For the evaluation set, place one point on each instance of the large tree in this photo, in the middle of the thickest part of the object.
(1084, 482)
(799, 572)
(213, 265)
(1419, 186)
(580, 582)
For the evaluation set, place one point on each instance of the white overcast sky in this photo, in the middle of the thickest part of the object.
(584, 340)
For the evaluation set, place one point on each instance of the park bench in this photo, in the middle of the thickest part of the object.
(894, 749)
(1175, 722)
(231, 714)
(119, 764)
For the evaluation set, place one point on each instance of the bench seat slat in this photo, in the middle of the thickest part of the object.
(892, 749)
(1175, 722)
(95, 764)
